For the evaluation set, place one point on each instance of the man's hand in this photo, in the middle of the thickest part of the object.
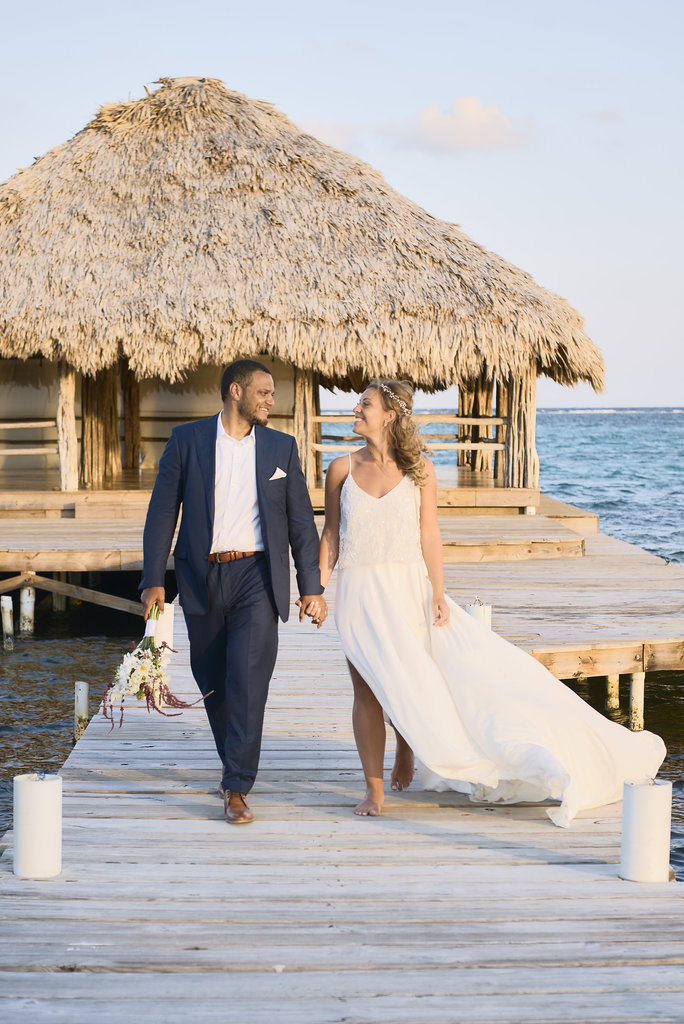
(148, 598)
(313, 605)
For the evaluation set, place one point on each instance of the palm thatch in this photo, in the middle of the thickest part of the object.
(197, 225)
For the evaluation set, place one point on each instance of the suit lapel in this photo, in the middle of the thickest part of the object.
(206, 456)
(262, 455)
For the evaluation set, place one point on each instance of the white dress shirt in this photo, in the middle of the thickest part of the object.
(236, 511)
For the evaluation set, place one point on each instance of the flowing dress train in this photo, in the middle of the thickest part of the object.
(482, 716)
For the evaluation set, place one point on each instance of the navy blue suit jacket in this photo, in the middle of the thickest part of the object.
(186, 478)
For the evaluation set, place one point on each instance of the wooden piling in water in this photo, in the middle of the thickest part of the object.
(612, 693)
(637, 682)
(81, 715)
(7, 623)
(27, 609)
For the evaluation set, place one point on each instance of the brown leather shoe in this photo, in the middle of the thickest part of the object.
(236, 808)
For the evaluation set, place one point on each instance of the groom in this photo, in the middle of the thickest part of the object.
(244, 501)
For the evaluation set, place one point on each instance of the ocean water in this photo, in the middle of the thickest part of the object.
(624, 464)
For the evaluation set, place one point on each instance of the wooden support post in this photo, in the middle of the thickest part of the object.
(58, 587)
(100, 440)
(67, 442)
(501, 430)
(636, 701)
(466, 401)
(59, 601)
(303, 413)
(482, 406)
(612, 693)
(7, 623)
(61, 589)
(131, 414)
(80, 708)
(27, 608)
(317, 431)
(14, 582)
(522, 462)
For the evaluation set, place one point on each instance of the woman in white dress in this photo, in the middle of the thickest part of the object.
(482, 716)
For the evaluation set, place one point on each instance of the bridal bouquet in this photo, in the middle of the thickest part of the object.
(142, 675)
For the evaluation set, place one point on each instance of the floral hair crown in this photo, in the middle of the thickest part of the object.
(400, 401)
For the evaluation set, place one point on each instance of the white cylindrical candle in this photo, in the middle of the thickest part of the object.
(164, 632)
(646, 814)
(481, 612)
(27, 606)
(37, 825)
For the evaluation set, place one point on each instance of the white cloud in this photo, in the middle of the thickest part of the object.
(608, 114)
(340, 134)
(466, 125)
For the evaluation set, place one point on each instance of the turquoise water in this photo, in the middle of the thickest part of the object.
(624, 464)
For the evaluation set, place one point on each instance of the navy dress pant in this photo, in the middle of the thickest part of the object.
(232, 654)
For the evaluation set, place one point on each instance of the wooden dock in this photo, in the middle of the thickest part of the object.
(440, 911)
(618, 609)
(581, 602)
(99, 544)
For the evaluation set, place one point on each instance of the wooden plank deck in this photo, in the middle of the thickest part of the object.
(439, 911)
(617, 610)
(97, 543)
(584, 605)
(506, 538)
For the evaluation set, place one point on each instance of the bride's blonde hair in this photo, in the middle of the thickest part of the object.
(407, 444)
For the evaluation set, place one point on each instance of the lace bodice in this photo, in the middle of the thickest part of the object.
(378, 530)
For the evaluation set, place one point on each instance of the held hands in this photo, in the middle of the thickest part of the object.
(315, 606)
(151, 595)
(440, 610)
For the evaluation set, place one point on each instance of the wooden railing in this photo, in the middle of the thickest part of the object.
(157, 427)
(19, 449)
(441, 442)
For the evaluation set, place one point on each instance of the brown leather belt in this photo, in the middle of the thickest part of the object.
(230, 556)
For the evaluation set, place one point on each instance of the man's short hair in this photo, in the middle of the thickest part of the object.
(241, 371)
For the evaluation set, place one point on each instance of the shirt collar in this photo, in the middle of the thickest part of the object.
(221, 434)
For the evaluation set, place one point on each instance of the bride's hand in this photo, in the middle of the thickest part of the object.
(440, 610)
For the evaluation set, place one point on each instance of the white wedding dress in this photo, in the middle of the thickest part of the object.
(482, 716)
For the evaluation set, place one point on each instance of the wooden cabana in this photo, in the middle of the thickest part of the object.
(195, 226)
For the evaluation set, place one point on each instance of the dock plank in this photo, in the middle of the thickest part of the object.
(440, 910)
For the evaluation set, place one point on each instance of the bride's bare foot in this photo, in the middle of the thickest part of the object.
(404, 765)
(371, 805)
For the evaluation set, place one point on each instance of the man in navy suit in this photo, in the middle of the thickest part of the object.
(245, 504)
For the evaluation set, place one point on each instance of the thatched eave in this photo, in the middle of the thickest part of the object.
(195, 225)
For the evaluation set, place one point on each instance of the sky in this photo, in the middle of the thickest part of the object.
(550, 131)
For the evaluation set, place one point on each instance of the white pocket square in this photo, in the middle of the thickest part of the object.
(278, 475)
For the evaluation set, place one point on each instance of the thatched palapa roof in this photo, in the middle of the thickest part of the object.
(197, 225)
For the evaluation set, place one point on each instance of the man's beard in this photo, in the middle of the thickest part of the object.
(252, 416)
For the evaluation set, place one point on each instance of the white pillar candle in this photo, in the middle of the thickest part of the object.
(37, 825)
(646, 814)
(481, 612)
(164, 632)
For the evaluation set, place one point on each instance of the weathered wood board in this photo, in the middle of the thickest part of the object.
(439, 911)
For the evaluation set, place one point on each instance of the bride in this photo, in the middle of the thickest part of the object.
(482, 716)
